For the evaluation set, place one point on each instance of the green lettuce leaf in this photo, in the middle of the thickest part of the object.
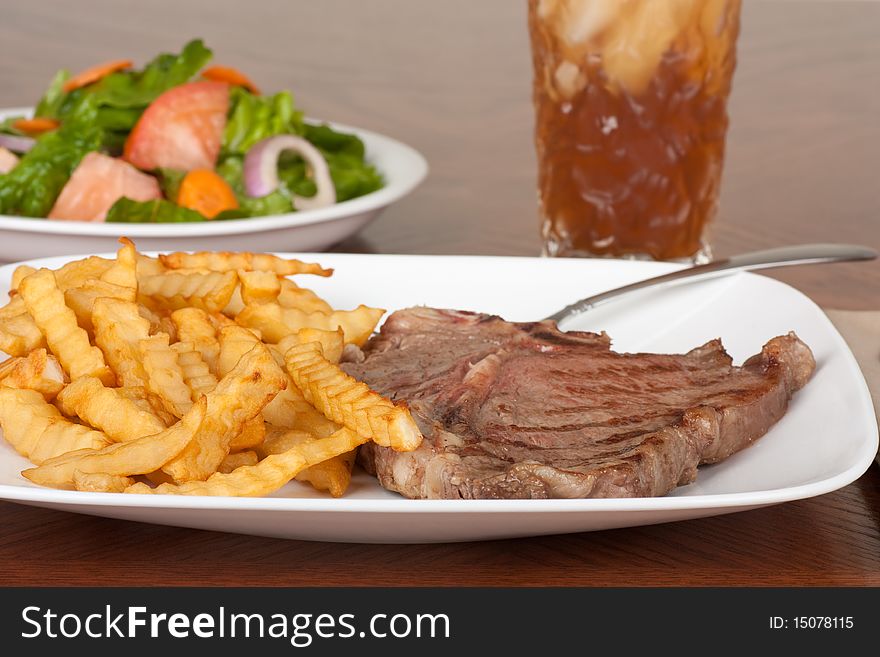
(157, 211)
(116, 102)
(252, 118)
(136, 90)
(53, 99)
(169, 181)
(352, 175)
(330, 141)
(31, 188)
(238, 213)
(6, 126)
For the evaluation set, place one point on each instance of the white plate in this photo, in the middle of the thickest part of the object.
(827, 439)
(311, 230)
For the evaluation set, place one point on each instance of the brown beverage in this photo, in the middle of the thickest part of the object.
(631, 116)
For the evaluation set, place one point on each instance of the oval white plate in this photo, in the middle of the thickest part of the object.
(827, 439)
(402, 167)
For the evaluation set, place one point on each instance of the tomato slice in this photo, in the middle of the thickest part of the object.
(181, 129)
(97, 183)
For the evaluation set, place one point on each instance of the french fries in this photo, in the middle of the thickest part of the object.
(332, 475)
(238, 397)
(210, 291)
(258, 286)
(198, 377)
(19, 275)
(195, 326)
(108, 409)
(269, 474)
(237, 460)
(36, 429)
(70, 343)
(123, 272)
(293, 296)
(226, 261)
(19, 334)
(139, 456)
(100, 482)
(164, 374)
(119, 329)
(206, 373)
(252, 434)
(349, 402)
(37, 371)
(81, 299)
(276, 322)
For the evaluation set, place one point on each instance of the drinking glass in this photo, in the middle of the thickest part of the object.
(631, 116)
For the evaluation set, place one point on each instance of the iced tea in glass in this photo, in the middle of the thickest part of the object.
(631, 117)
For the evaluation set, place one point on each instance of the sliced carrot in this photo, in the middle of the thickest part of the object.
(95, 73)
(204, 191)
(231, 76)
(35, 126)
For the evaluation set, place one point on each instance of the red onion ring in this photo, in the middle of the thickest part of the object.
(16, 143)
(261, 170)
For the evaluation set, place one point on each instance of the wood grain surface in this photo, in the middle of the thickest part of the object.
(452, 79)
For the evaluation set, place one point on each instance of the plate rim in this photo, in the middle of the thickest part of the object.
(395, 505)
(411, 175)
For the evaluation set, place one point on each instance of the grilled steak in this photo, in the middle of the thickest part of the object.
(523, 410)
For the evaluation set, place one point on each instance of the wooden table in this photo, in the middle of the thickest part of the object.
(452, 78)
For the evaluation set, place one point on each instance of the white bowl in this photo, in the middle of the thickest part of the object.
(312, 230)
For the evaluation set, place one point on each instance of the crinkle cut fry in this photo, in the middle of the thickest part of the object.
(123, 272)
(174, 290)
(349, 402)
(119, 328)
(294, 296)
(268, 475)
(164, 374)
(258, 286)
(238, 397)
(67, 341)
(238, 459)
(140, 456)
(195, 326)
(36, 429)
(109, 410)
(19, 335)
(288, 406)
(37, 371)
(229, 261)
(124, 325)
(81, 300)
(98, 482)
(196, 373)
(276, 322)
(332, 475)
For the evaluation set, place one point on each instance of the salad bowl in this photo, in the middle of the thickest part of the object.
(186, 155)
(402, 166)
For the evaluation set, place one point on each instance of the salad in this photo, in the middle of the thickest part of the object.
(176, 141)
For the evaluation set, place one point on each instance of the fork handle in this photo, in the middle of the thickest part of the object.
(804, 254)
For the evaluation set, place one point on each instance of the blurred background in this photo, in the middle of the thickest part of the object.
(453, 79)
